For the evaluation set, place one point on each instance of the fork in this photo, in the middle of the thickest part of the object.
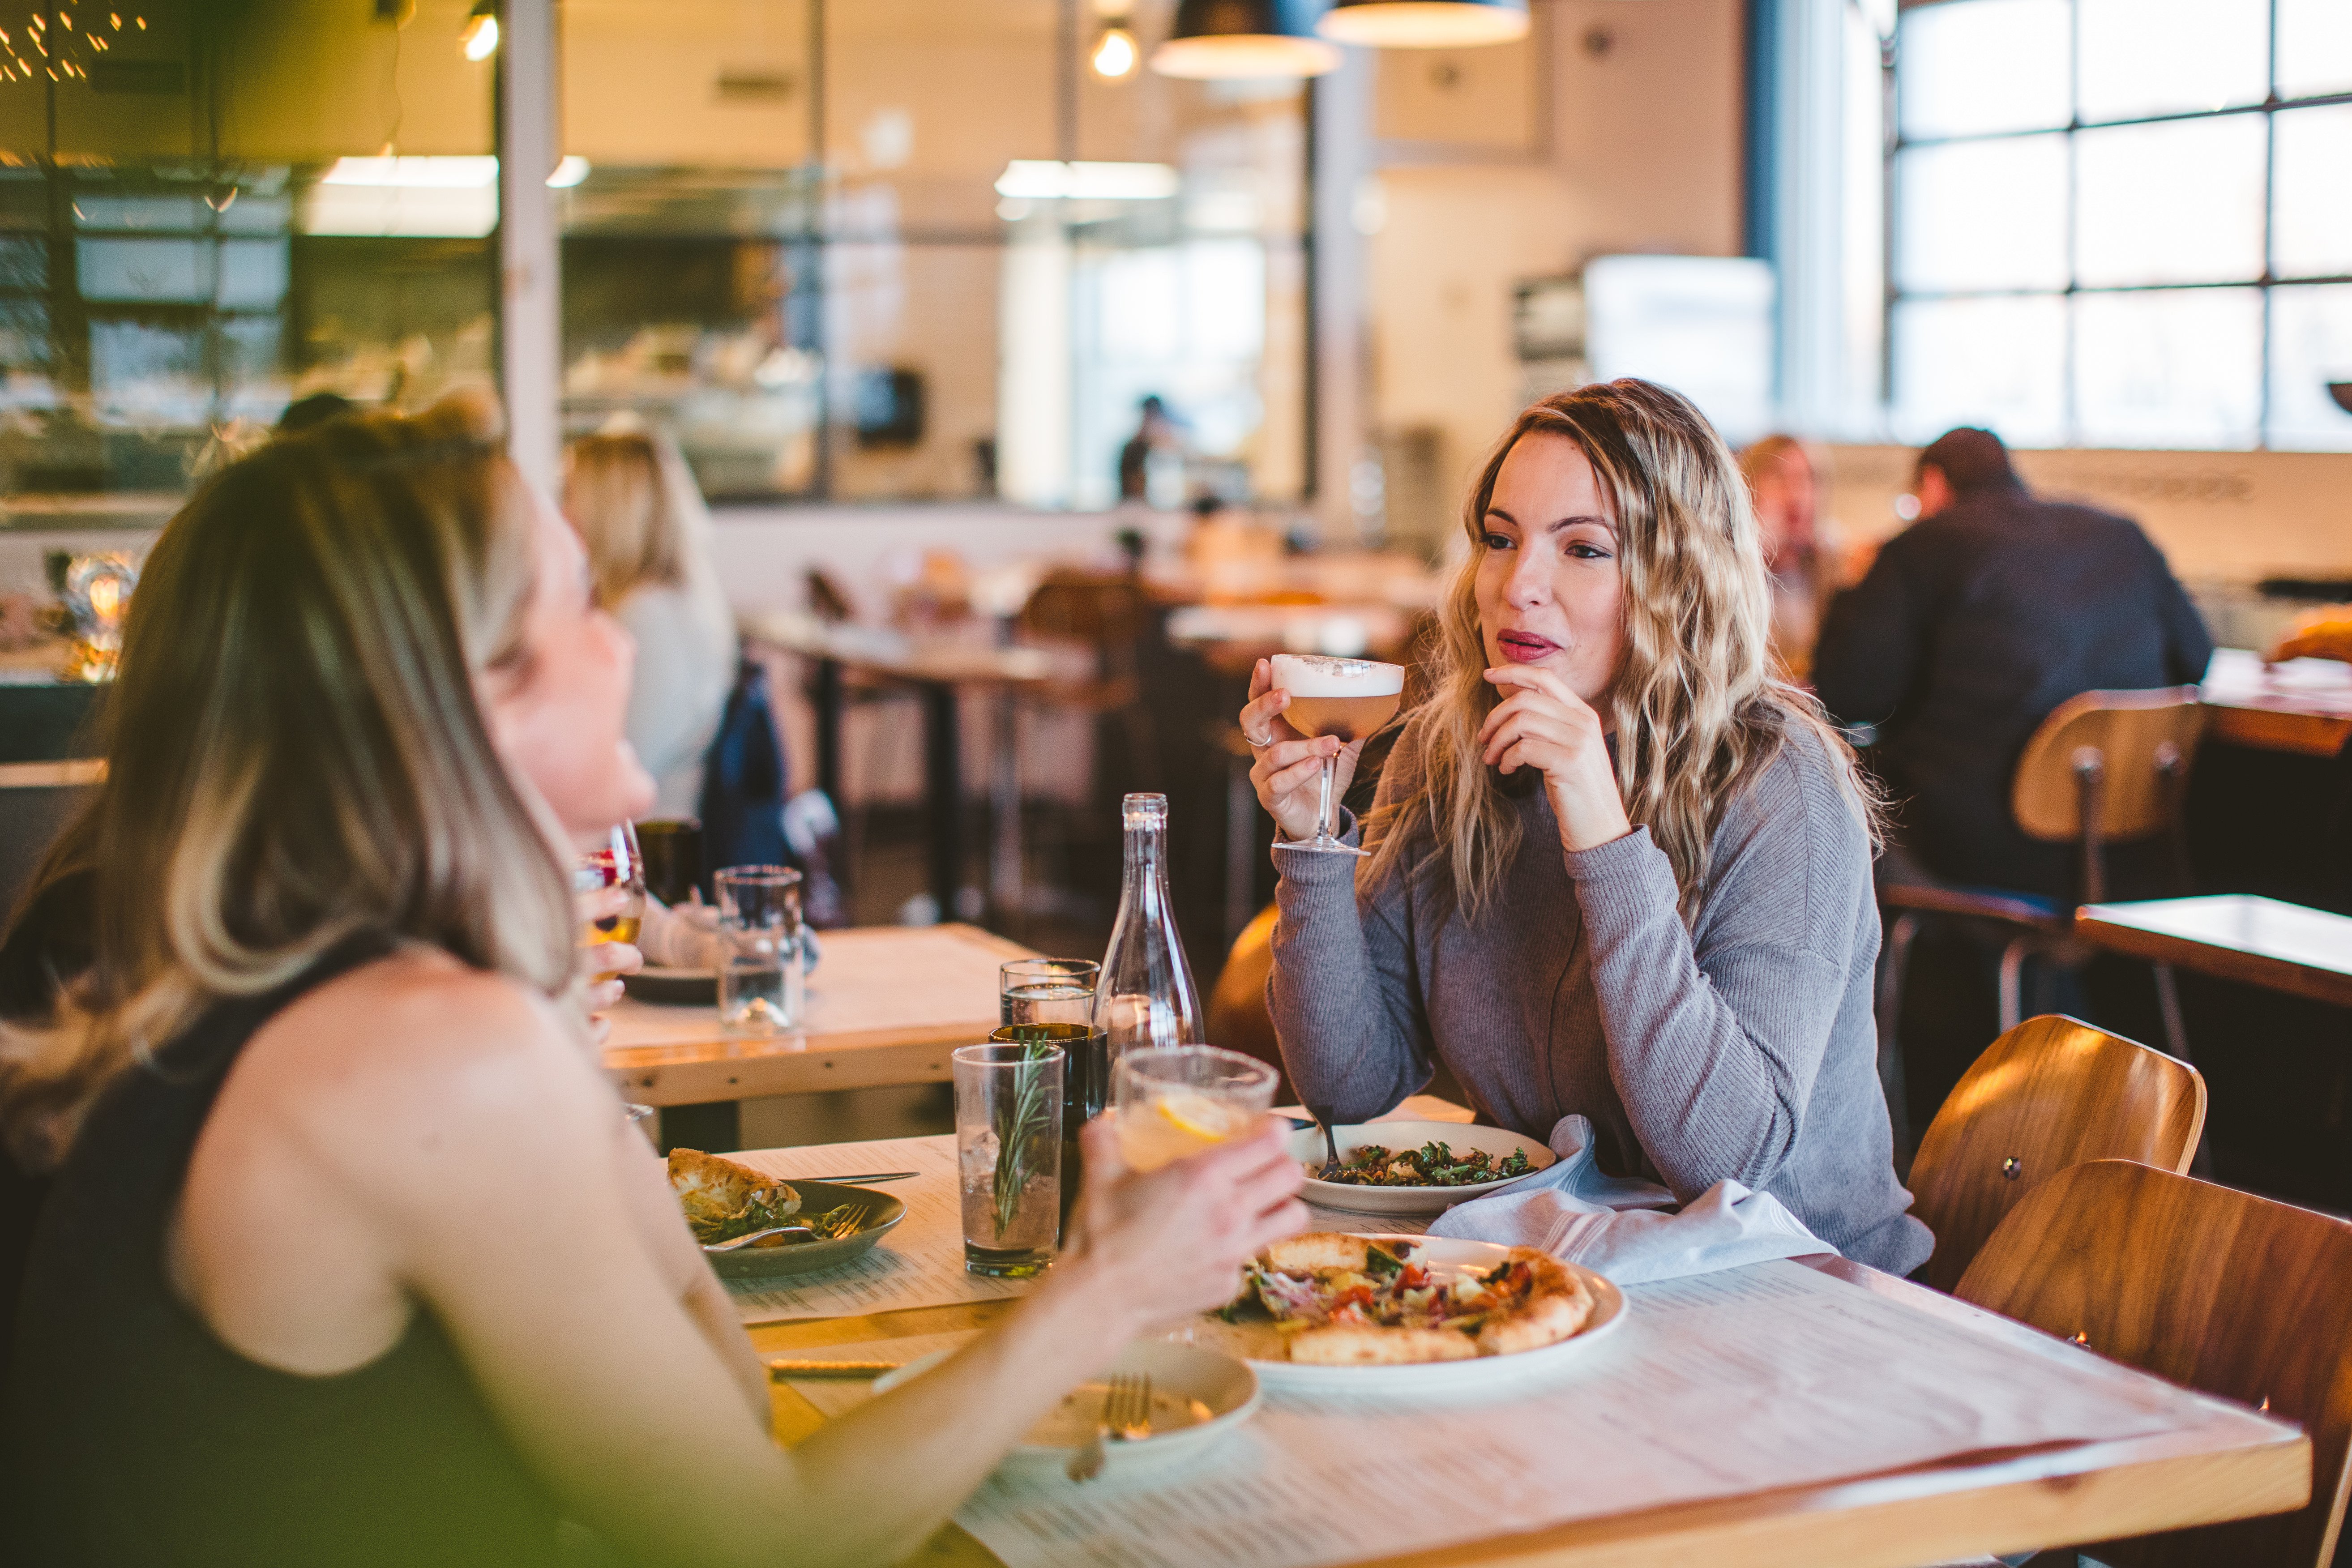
(851, 1223)
(1126, 1415)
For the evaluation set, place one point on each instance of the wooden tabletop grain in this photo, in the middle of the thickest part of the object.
(886, 1005)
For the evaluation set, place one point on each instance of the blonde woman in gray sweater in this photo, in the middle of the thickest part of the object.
(1618, 868)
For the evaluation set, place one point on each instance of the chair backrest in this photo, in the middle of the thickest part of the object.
(2211, 1288)
(2049, 1093)
(1237, 1017)
(2143, 740)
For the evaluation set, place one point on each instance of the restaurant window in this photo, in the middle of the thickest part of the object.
(2121, 223)
(207, 211)
(898, 250)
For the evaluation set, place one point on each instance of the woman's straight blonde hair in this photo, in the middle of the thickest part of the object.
(1698, 711)
(295, 755)
(628, 498)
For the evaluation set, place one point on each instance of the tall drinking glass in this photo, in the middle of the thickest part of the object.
(673, 847)
(759, 983)
(617, 865)
(1349, 697)
(1177, 1101)
(1008, 1098)
(1061, 991)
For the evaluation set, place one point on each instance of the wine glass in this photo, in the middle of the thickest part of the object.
(616, 865)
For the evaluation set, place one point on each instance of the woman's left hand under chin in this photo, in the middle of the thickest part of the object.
(1540, 723)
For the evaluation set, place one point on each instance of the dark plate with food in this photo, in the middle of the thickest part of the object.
(819, 1225)
(1415, 1167)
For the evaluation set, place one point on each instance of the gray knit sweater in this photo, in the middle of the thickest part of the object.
(1740, 1047)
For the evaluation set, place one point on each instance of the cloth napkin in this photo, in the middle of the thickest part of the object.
(1628, 1230)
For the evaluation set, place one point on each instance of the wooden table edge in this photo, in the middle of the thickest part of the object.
(2270, 728)
(2222, 962)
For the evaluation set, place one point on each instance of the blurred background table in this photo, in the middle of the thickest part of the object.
(885, 1007)
(2233, 936)
(2303, 706)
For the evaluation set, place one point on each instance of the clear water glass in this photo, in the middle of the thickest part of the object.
(760, 987)
(1008, 1113)
(1058, 994)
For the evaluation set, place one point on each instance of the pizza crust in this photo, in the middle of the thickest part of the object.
(1364, 1344)
(1557, 1308)
(1313, 1249)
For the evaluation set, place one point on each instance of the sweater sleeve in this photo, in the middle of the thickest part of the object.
(1715, 1035)
(1344, 996)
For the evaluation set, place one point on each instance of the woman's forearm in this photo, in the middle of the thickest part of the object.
(925, 1447)
(1340, 997)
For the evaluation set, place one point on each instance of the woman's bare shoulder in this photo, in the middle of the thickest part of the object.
(404, 1059)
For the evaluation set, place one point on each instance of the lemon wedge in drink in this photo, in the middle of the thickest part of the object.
(1198, 1116)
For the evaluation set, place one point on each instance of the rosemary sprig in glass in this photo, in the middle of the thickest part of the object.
(1021, 1115)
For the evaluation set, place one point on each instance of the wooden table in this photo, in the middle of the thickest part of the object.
(886, 1007)
(938, 673)
(2233, 936)
(2303, 706)
(2219, 1463)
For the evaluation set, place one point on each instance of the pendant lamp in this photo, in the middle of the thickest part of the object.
(1229, 40)
(1425, 23)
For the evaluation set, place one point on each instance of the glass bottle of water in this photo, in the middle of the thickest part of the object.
(1146, 995)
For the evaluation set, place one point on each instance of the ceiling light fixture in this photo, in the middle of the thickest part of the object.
(1115, 53)
(1425, 23)
(481, 37)
(1226, 40)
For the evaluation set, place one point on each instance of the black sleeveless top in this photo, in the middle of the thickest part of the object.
(131, 1435)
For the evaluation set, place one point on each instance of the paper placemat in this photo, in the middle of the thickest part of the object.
(918, 1264)
(1717, 1386)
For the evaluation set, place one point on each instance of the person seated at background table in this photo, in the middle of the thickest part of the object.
(351, 1255)
(1785, 487)
(650, 555)
(1971, 626)
(1618, 868)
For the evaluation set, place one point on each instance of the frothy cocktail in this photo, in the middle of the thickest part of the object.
(1349, 697)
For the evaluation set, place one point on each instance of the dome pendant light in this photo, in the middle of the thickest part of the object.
(1244, 39)
(1425, 23)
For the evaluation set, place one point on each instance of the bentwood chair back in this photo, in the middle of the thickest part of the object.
(2108, 767)
(2211, 1288)
(1238, 1019)
(2051, 1093)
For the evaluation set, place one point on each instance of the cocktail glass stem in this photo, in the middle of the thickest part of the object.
(1326, 820)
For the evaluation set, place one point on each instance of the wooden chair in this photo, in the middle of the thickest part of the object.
(1237, 1017)
(2051, 1093)
(2105, 767)
(2213, 1289)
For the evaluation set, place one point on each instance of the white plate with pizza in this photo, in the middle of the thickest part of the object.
(1415, 1167)
(1334, 1312)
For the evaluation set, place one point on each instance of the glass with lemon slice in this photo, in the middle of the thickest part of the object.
(1177, 1101)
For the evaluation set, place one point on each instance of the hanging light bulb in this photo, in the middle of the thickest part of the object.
(481, 35)
(1425, 23)
(1244, 39)
(1115, 53)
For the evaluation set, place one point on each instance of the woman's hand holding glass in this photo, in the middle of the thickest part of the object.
(605, 960)
(1169, 1243)
(1288, 769)
(1540, 723)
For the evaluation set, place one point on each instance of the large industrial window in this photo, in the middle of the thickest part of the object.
(2123, 223)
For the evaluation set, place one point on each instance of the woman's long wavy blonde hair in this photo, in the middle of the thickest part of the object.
(1699, 713)
(295, 755)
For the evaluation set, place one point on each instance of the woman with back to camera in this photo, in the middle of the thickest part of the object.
(1617, 868)
(351, 1256)
(649, 561)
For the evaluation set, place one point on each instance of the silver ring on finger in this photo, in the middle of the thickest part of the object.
(1256, 744)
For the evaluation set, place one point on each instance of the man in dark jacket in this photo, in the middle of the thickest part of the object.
(1972, 625)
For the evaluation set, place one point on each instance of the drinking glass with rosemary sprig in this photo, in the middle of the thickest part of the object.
(1008, 1096)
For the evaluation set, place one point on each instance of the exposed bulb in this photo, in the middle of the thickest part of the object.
(481, 36)
(1115, 54)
